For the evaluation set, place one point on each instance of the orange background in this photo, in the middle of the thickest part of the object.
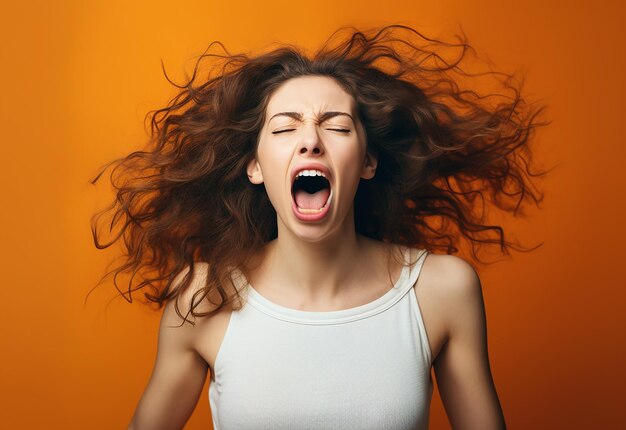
(77, 80)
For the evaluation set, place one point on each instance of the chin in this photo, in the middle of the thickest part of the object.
(316, 233)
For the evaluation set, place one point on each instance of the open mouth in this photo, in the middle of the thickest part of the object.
(311, 192)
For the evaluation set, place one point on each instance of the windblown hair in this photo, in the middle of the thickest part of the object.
(445, 153)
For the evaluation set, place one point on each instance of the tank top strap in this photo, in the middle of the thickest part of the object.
(415, 267)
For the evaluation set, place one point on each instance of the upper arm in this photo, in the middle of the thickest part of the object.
(178, 375)
(462, 367)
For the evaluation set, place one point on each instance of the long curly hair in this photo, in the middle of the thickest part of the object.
(445, 153)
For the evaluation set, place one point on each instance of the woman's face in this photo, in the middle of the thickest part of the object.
(311, 155)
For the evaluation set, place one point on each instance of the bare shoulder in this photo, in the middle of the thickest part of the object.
(450, 289)
(185, 299)
(206, 333)
(177, 312)
(450, 277)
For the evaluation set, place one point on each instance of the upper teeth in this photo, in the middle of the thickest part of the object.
(310, 173)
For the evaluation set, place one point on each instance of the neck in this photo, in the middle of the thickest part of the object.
(317, 271)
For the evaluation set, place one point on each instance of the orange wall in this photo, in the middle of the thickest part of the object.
(78, 78)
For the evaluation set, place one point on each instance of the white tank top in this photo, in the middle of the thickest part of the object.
(366, 367)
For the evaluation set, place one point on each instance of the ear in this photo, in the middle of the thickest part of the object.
(255, 175)
(369, 166)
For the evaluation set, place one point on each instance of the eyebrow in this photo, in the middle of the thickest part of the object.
(325, 116)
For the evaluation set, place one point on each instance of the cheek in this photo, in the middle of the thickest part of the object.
(351, 157)
(274, 167)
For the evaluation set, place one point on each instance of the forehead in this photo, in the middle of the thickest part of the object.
(310, 94)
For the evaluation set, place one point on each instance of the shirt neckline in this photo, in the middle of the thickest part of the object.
(263, 304)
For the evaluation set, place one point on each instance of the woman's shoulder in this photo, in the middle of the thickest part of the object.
(450, 276)
(451, 269)
(206, 333)
(193, 294)
(451, 285)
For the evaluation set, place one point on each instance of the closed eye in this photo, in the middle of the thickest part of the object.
(342, 130)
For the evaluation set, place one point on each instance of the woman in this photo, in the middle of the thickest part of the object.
(289, 206)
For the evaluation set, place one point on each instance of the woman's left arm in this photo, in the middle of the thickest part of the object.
(462, 366)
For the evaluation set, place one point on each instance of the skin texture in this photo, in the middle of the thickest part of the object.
(290, 269)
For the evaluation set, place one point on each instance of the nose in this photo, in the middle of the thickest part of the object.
(310, 143)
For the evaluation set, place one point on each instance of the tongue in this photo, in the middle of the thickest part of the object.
(316, 200)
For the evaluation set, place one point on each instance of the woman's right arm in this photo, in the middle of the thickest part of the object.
(177, 378)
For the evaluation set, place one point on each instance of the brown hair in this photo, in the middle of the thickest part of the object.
(441, 149)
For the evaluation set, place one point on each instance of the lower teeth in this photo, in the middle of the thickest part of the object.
(310, 211)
